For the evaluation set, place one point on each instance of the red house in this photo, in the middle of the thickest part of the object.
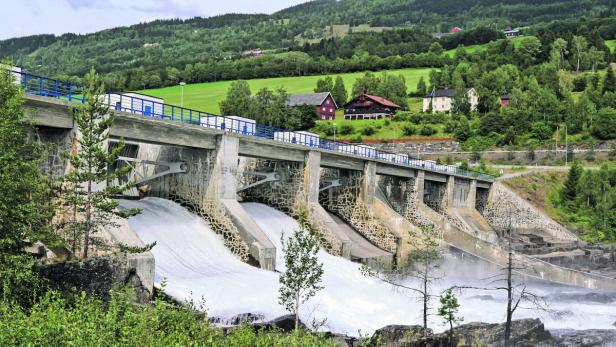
(455, 30)
(324, 103)
(504, 99)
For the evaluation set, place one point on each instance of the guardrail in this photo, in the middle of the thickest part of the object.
(39, 85)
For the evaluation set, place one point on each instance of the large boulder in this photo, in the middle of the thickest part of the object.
(400, 335)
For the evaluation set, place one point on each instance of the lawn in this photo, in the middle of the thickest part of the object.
(469, 49)
(611, 44)
(384, 129)
(206, 96)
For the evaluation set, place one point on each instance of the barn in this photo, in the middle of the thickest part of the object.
(324, 103)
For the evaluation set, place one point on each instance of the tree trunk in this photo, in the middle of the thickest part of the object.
(509, 295)
(425, 301)
(297, 312)
(451, 333)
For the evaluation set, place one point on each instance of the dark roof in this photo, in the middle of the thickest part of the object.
(440, 93)
(315, 99)
(505, 96)
(367, 98)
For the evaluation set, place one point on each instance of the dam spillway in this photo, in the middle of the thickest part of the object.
(195, 264)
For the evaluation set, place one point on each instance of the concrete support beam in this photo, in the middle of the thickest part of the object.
(312, 175)
(449, 189)
(472, 195)
(225, 185)
(419, 185)
(368, 187)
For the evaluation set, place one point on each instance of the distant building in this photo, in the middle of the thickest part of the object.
(442, 99)
(369, 107)
(504, 99)
(252, 53)
(512, 32)
(438, 35)
(324, 103)
(151, 44)
(455, 30)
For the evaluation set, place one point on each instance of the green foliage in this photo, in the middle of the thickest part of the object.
(408, 130)
(89, 188)
(368, 130)
(604, 126)
(346, 129)
(340, 93)
(427, 130)
(609, 82)
(421, 87)
(91, 322)
(541, 131)
(25, 213)
(448, 311)
(386, 85)
(237, 102)
(302, 276)
(325, 85)
(569, 192)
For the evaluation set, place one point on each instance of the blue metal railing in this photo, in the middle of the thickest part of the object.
(150, 107)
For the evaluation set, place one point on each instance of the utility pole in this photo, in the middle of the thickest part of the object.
(566, 148)
(182, 84)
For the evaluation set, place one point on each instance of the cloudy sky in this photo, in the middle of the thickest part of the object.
(28, 17)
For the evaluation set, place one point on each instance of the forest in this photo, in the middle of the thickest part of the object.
(209, 49)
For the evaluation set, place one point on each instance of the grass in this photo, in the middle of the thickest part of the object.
(206, 96)
(469, 49)
(611, 44)
(384, 129)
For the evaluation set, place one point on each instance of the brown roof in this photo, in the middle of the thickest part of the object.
(381, 100)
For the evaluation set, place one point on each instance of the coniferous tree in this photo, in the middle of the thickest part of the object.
(570, 189)
(340, 93)
(421, 87)
(609, 83)
(302, 276)
(449, 311)
(89, 186)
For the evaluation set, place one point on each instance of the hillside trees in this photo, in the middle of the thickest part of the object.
(386, 85)
(324, 85)
(604, 125)
(237, 102)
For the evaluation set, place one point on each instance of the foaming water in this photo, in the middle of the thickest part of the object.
(196, 264)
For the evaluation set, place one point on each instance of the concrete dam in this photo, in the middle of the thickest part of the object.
(218, 200)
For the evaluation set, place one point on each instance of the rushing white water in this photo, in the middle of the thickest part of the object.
(196, 264)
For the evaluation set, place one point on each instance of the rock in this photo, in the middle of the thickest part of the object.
(398, 335)
(284, 323)
(585, 338)
(525, 332)
(242, 318)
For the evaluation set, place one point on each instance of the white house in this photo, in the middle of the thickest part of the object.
(136, 103)
(442, 100)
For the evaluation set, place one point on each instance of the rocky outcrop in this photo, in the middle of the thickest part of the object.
(525, 332)
(97, 276)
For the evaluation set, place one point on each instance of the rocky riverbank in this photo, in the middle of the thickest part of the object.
(525, 333)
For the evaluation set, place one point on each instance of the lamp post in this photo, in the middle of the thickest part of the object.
(334, 131)
(182, 84)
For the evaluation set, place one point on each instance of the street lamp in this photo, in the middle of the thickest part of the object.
(182, 84)
(334, 131)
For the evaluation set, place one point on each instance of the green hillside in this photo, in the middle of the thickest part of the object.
(611, 44)
(206, 96)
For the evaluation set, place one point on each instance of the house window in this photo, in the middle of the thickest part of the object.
(327, 101)
(323, 109)
(331, 110)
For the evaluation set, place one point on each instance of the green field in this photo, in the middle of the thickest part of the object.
(611, 44)
(206, 96)
(469, 49)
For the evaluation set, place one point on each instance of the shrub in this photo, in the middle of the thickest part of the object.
(387, 122)
(408, 130)
(356, 139)
(541, 131)
(369, 130)
(427, 130)
(346, 129)
(604, 126)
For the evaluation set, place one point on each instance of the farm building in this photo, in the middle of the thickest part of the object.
(442, 99)
(324, 103)
(367, 106)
